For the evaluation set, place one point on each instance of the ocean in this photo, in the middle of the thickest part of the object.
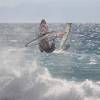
(28, 74)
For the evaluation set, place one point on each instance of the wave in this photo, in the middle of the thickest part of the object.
(32, 81)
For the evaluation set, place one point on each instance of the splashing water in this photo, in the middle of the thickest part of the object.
(34, 82)
(26, 74)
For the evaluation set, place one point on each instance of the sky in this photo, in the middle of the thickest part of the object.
(85, 11)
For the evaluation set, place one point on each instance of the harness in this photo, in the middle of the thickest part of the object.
(45, 45)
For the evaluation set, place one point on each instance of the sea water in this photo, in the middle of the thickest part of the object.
(28, 74)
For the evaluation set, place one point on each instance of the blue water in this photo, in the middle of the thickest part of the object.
(28, 74)
(81, 61)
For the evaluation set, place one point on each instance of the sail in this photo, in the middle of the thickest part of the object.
(65, 37)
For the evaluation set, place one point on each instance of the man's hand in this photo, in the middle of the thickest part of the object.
(60, 34)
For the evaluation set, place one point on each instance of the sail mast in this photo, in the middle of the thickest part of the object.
(65, 37)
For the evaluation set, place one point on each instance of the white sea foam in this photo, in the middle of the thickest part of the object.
(36, 83)
(58, 51)
(92, 61)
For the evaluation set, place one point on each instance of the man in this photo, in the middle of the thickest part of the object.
(45, 44)
(46, 39)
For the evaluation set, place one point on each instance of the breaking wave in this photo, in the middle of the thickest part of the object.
(32, 81)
